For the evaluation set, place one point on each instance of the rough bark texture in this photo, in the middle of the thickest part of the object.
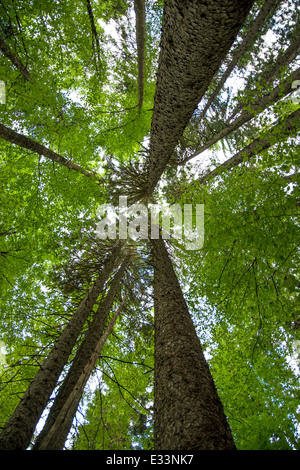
(47, 439)
(278, 132)
(14, 59)
(188, 414)
(266, 10)
(22, 141)
(139, 7)
(57, 434)
(196, 36)
(283, 89)
(19, 430)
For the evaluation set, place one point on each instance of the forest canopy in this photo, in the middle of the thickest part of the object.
(163, 102)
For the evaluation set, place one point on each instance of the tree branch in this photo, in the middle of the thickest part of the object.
(14, 59)
(283, 89)
(25, 142)
(278, 132)
(267, 8)
(94, 31)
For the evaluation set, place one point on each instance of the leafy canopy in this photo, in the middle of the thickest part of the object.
(242, 288)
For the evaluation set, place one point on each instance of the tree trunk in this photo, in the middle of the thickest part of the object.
(63, 410)
(94, 34)
(196, 36)
(57, 434)
(25, 142)
(139, 7)
(188, 414)
(19, 430)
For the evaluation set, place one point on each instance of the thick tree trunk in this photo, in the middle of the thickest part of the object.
(196, 36)
(188, 414)
(283, 89)
(14, 59)
(63, 410)
(22, 141)
(19, 430)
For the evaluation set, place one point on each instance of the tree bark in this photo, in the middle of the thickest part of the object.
(25, 142)
(188, 414)
(283, 89)
(139, 7)
(57, 435)
(63, 410)
(14, 59)
(94, 32)
(196, 37)
(19, 430)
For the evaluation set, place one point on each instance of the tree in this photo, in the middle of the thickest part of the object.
(266, 10)
(180, 88)
(19, 429)
(139, 7)
(63, 411)
(106, 116)
(184, 391)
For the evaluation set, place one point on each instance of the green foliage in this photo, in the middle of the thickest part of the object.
(119, 412)
(248, 275)
(242, 288)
